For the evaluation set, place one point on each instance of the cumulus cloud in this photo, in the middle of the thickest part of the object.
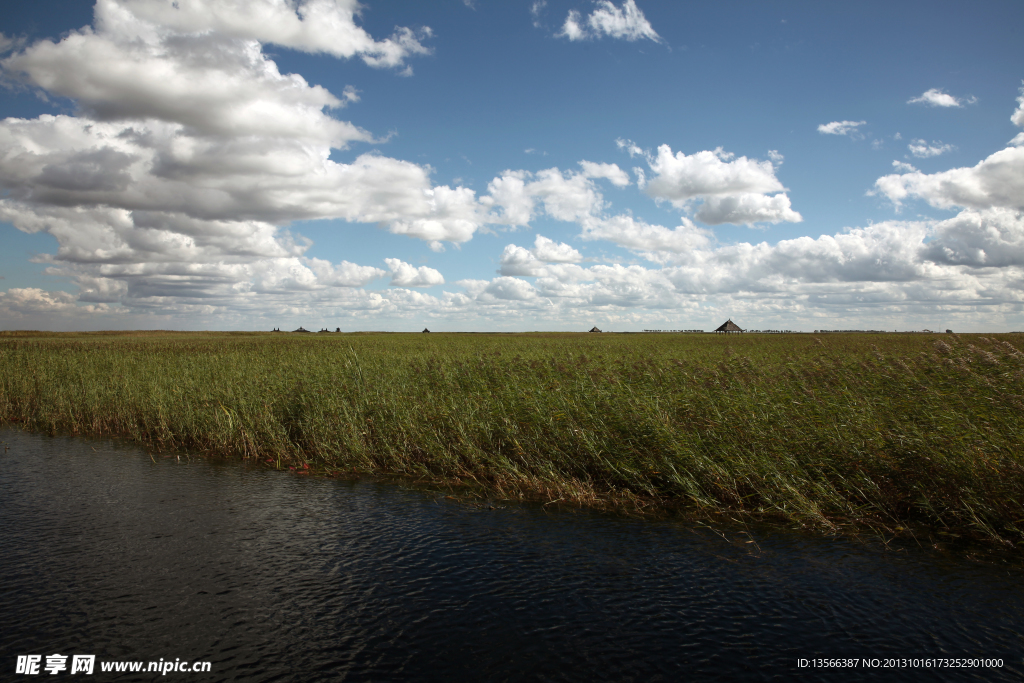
(406, 275)
(992, 238)
(318, 26)
(516, 260)
(922, 149)
(1017, 118)
(656, 242)
(841, 127)
(733, 190)
(191, 151)
(549, 251)
(626, 22)
(934, 97)
(894, 269)
(174, 193)
(565, 196)
(611, 172)
(680, 178)
(995, 182)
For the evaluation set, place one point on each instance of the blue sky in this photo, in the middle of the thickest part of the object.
(511, 166)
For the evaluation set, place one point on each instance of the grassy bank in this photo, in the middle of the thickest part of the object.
(855, 429)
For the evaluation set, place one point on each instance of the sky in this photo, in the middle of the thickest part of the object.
(476, 165)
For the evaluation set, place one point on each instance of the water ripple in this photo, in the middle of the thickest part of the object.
(275, 577)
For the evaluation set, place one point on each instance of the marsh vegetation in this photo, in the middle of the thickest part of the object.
(839, 430)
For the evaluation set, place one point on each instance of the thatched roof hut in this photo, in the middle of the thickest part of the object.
(302, 329)
(426, 331)
(729, 326)
(595, 329)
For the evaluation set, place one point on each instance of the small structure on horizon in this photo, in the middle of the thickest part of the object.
(338, 330)
(425, 331)
(302, 329)
(595, 329)
(729, 326)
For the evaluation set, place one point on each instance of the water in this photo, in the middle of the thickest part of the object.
(271, 576)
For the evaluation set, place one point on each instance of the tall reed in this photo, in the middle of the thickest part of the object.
(854, 429)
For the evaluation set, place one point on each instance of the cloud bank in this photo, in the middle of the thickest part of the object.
(173, 190)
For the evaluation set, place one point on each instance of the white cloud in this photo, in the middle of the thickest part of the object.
(207, 83)
(535, 11)
(903, 167)
(626, 22)
(734, 190)
(747, 208)
(1017, 118)
(934, 97)
(630, 147)
(325, 26)
(564, 196)
(611, 172)
(499, 289)
(406, 275)
(991, 238)
(995, 182)
(841, 127)
(680, 178)
(344, 274)
(922, 149)
(549, 251)
(169, 190)
(965, 268)
(572, 29)
(655, 241)
(516, 260)
(169, 200)
(9, 43)
(33, 300)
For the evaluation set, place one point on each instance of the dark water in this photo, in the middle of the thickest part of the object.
(276, 577)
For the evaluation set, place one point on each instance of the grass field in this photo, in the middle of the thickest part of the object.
(884, 431)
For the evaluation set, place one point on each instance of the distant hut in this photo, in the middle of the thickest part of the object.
(594, 329)
(302, 329)
(729, 326)
(338, 330)
(426, 331)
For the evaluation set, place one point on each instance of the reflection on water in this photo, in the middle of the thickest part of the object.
(277, 577)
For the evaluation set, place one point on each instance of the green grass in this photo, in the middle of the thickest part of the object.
(840, 430)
